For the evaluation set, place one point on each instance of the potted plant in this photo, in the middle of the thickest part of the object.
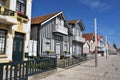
(65, 53)
(21, 14)
(49, 51)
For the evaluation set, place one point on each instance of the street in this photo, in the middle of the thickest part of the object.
(107, 70)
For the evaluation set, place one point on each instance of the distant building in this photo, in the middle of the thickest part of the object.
(90, 39)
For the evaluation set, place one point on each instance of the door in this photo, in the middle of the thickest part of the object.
(18, 47)
(58, 49)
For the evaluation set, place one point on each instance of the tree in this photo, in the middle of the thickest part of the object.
(115, 46)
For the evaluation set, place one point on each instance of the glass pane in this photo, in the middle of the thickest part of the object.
(2, 41)
(2, 2)
(22, 1)
(23, 9)
(18, 6)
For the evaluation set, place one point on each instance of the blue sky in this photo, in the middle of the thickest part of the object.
(107, 13)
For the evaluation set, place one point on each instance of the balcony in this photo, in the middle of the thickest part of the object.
(7, 16)
(79, 39)
(22, 17)
(60, 29)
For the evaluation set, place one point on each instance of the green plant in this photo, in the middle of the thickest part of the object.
(49, 51)
(65, 51)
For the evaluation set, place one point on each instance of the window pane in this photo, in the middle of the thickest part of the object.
(21, 6)
(22, 1)
(23, 9)
(2, 41)
(2, 2)
(18, 6)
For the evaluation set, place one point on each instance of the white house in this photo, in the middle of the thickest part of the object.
(90, 39)
(15, 20)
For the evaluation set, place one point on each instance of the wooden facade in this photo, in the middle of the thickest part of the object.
(49, 39)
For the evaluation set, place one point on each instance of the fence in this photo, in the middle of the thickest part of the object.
(41, 64)
(14, 71)
(21, 70)
(70, 61)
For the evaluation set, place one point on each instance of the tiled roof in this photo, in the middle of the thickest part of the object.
(72, 21)
(101, 37)
(40, 19)
(88, 36)
(80, 23)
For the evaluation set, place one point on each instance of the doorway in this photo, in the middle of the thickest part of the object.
(18, 45)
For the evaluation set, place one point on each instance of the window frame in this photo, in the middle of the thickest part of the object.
(21, 5)
(48, 43)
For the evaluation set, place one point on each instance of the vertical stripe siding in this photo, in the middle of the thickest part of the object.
(46, 32)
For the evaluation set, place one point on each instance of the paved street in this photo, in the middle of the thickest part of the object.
(107, 70)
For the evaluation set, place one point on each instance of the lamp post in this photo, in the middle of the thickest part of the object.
(95, 25)
(106, 48)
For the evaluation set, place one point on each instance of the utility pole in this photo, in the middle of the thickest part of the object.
(96, 61)
(106, 48)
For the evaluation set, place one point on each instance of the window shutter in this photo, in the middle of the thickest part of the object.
(43, 45)
(52, 45)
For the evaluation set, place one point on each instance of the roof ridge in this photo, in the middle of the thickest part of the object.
(43, 18)
(48, 14)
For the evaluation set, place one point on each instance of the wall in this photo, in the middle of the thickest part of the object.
(21, 27)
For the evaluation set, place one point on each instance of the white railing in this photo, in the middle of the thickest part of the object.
(79, 39)
(60, 29)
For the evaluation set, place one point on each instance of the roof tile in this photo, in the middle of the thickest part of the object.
(40, 19)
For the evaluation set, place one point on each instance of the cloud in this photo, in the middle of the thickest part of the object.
(96, 4)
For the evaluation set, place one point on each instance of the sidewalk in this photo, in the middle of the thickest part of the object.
(107, 70)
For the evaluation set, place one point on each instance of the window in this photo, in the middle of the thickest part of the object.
(2, 2)
(21, 6)
(2, 41)
(48, 44)
(65, 45)
(59, 38)
(60, 21)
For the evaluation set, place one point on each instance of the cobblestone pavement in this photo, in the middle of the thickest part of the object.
(107, 70)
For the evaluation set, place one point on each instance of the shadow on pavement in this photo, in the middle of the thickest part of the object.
(88, 65)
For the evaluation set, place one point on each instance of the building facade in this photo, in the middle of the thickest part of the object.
(77, 41)
(15, 20)
(51, 33)
(90, 38)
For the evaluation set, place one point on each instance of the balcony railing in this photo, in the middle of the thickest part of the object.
(10, 14)
(79, 39)
(6, 12)
(60, 29)
(7, 16)
(22, 17)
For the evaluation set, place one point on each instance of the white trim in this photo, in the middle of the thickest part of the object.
(51, 18)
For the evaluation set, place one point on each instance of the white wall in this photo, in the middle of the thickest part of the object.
(86, 48)
(26, 29)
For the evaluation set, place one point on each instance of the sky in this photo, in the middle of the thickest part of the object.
(107, 13)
